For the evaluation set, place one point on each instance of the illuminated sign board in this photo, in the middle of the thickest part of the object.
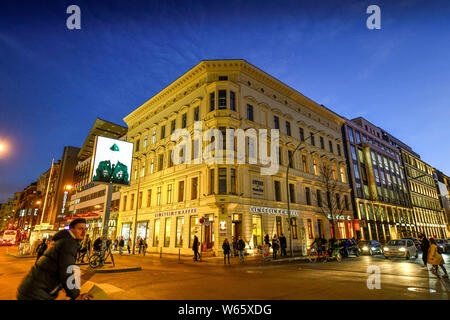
(111, 161)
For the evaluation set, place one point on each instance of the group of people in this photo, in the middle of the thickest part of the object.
(431, 255)
(238, 246)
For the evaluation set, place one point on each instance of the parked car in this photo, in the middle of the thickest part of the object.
(346, 247)
(402, 248)
(370, 247)
(443, 245)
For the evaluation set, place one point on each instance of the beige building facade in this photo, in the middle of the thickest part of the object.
(236, 199)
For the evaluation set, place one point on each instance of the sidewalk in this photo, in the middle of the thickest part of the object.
(249, 259)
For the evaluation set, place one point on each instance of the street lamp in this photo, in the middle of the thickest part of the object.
(288, 196)
(137, 197)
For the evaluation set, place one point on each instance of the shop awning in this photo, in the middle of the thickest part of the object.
(83, 215)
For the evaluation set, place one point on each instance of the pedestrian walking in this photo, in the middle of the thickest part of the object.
(129, 245)
(267, 240)
(283, 245)
(424, 246)
(275, 246)
(144, 246)
(435, 258)
(195, 245)
(121, 244)
(41, 249)
(35, 246)
(52, 271)
(140, 243)
(226, 251)
(84, 249)
(116, 244)
(241, 247)
(98, 243)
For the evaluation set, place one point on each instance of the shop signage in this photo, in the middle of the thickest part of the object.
(349, 218)
(272, 211)
(257, 188)
(222, 228)
(64, 202)
(125, 219)
(176, 212)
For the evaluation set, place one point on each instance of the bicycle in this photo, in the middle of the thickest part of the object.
(96, 261)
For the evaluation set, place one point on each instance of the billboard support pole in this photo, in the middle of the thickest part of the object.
(109, 192)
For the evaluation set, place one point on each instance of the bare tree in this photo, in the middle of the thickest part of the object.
(335, 204)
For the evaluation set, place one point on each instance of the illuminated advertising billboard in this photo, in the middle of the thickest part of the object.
(111, 161)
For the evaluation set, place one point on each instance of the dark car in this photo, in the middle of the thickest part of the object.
(416, 243)
(370, 247)
(443, 245)
(346, 247)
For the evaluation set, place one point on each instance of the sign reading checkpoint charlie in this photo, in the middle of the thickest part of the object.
(111, 161)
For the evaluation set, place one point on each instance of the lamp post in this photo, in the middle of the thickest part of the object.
(137, 200)
(288, 196)
(67, 189)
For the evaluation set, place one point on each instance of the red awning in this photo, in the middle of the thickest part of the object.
(83, 215)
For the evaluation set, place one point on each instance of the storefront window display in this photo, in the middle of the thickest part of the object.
(156, 233)
(194, 229)
(142, 230)
(126, 232)
(167, 232)
(257, 230)
(180, 228)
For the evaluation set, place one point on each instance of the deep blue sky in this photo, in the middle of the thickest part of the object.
(54, 82)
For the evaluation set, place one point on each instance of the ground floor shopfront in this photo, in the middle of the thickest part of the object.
(382, 222)
(173, 231)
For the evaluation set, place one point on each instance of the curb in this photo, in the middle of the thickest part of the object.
(118, 270)
(16, 256)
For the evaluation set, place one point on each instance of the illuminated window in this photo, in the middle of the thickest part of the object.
(180, 228)
(156, 234)
(310, 229)
(257, 230)
(167, 232)
(169, 193)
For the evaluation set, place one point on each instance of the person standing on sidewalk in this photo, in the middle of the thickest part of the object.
(275, 246)
(226, 251)
(195, 245)
(41, 249)
(241, 247)
(283, 245)
(144, 246)
(435, 258)
(121, 245)
(424, 246)
(52, 272)
(129, 245)
(83, 249)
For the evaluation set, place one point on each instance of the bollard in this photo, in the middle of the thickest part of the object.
(179, 254)
(160, 253)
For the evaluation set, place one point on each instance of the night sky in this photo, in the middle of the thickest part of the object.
(54, 82)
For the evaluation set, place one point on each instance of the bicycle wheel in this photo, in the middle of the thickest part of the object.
(95, 261)
(313, 256)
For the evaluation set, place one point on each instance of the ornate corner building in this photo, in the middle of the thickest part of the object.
(236, 199)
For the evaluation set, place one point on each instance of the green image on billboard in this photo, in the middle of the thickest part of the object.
(112, 171)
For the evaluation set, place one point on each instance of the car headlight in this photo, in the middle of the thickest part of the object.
(402, 249)
(365, 248)
(386, 249)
